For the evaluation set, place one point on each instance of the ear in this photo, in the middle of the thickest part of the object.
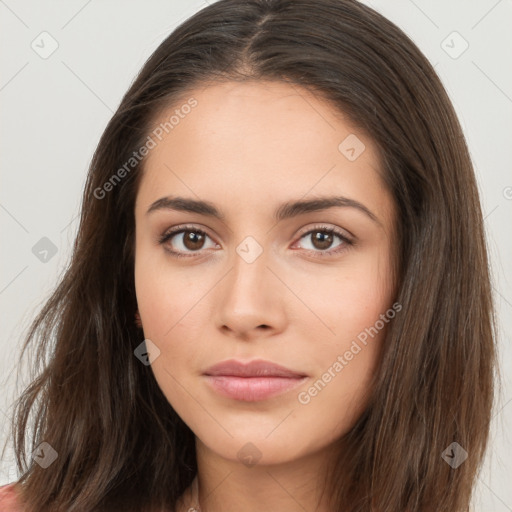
(138, 321)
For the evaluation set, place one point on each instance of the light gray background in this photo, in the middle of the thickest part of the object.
(54, 110)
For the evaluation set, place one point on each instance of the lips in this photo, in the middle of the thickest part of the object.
(258, 368)
(253, 381)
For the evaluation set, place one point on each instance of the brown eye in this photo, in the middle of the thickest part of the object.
(193, 240)
(322, 240)
(185, 241)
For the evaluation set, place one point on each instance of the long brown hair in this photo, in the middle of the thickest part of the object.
(120, 444)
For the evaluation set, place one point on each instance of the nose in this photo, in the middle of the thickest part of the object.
(250, 299)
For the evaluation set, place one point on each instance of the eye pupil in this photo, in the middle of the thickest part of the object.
(193, 240)
(322, 238)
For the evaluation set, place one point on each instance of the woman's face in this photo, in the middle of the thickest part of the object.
(254, 277)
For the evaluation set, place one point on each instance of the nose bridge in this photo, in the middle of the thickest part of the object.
(249, 268)
(248, 297)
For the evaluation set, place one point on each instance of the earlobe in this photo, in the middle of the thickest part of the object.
(138, 321)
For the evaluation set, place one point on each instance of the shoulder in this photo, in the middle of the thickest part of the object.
(9, 499)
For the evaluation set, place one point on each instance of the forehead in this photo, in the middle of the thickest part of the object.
(253, 113)
(260, 140)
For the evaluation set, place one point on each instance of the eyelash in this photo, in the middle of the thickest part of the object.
(319, 253)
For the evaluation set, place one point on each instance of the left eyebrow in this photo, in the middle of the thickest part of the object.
(284, 211)
(293, 208)
(186, 205)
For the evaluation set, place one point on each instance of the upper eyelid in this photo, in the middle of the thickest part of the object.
(339, 231)
(176, 230)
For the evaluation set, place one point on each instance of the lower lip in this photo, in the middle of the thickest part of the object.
(252, 389)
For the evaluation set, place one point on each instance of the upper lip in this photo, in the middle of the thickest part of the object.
(257, 368)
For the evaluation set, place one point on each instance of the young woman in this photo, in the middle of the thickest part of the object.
(279, 295)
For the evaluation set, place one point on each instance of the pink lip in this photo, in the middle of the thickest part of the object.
(254, 381)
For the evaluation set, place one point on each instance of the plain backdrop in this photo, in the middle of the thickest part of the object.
(64, 68)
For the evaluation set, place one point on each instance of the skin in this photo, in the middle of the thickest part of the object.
(247, 148)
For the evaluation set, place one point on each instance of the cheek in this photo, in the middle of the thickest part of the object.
(347, 353)
(168, 297)
(172, 320)
(173, 311)
(353, 299)
(346, 365)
